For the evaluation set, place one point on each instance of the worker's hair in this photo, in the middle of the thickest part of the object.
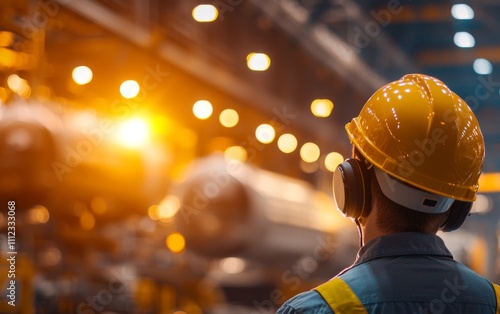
(394, 218)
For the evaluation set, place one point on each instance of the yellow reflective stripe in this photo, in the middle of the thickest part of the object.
(340, 297)
(497, 293)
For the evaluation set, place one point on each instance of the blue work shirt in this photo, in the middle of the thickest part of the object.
(406, 273)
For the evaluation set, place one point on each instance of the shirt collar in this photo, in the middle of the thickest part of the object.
(408, 243)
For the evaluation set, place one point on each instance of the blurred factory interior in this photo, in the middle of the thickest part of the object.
(176, 156)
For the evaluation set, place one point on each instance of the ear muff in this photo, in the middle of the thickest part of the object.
(351, 188)
(459, 210)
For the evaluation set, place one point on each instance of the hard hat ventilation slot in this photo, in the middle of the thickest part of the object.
(429, 203)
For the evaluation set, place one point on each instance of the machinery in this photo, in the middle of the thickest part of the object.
(266, 231)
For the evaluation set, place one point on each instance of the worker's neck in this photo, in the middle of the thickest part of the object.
(370, 228)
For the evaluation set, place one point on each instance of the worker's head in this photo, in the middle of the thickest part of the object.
(418, 156)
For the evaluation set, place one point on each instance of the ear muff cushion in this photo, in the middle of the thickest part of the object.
(351, 188)
(459, 210)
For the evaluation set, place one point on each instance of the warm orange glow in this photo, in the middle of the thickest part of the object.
(6, 38)
(8, 58)
(19, 85)
(87, 220)
(3, 95)
(38, 215)
(167, 209)
(133, 133)
(99, 205)
(175, 242)
(489, 182)
(153, 212)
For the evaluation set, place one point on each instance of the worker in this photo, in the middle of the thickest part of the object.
(417, 156)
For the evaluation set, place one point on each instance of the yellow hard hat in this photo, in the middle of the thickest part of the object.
(420, 132)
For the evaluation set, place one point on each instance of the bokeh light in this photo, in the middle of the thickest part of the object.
(265, 133)
(133, 133)
(237, 153)
(482, 66)
(462, 11)
(229, 118)
(87, 220)
(167, 209)
(82, 75)
(332, 160)
(309, 152)
(258, 61)
(129, 89)
(38, 215)
(202, 109)
(175, 242)
(205, 13)
(232, 265)
(287, 143)
(321, 107)
(464, 40)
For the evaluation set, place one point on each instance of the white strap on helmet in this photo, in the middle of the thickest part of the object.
(411, 197)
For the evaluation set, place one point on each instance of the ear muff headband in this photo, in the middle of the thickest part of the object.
(351, 188)
(459, 210)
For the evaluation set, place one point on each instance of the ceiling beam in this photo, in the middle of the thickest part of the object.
(457, 57)
(429, 13)
(326, 46)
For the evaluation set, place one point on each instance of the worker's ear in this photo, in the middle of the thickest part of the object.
(351, 188)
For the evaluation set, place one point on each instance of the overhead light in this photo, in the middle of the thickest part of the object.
(202, 109)
(265, 133)
(464, 40)
(309, 152)
(321, 107)
(133, 133)
(258, 61)
(129, 89)
(82, 75)
(332, 160)
(228, 118)
(482, 66)
(287, 143)
(462, 12)
(205, 13)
